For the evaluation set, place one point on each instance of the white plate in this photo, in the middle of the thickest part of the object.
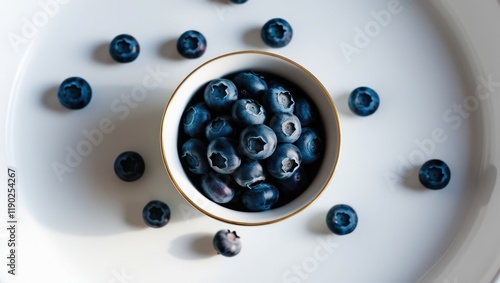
(425, 58)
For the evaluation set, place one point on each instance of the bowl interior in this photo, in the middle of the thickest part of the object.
(224, 65)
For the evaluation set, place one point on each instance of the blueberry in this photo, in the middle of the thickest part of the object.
(238, 1)
(276, 33)
(191, 44)
(248, 112)
(74, 93)
(277, 99)
(227, 243)
(305, 110)
(286, 126)
(217, 187)
(258, 141)
(156, 214)
(220, 95)
(364, 101)
(341, 219)
(249, 173)
(260, 197)
(310, 145)
(249, 85)
(434, 174)
(195, 120)
(284, 161)
(222, 126)
(129, 166)
(223, 156)
(294, 185)
(194, 156)
(124, 48)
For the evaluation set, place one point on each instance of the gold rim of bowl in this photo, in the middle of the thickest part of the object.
(230, 221)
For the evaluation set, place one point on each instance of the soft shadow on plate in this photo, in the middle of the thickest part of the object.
(50, 100)
(169, 50)
(342, 104)
(91, 200)
(194, 246)
(101, 54)
(253, 39)
(317, 224)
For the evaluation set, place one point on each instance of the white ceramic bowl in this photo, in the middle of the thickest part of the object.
(227, 64)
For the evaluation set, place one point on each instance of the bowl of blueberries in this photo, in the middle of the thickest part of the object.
(250, 138)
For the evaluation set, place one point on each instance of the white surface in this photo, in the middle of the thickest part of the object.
(86, 227)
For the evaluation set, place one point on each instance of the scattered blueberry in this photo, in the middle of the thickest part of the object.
(434, 174)
(250, 85)
(223, 156)
(276, 33)
(284, 161)
(238, 1)
(124, 48)
(227, 243)
(191, 44)
(258, 141)
(221, 126)
(195, 120)
(341, 219)
(248, 112)
(129, 166)
(310, 145)
(217, 187)
(220, 95)
(249, 173)
(156, 214)
(364, 101)
(278, 99)
(74, 93)
(260, 197)
(286, 126)
(194, 156)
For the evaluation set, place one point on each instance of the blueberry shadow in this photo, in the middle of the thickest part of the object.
(342, 104)
(193, 246)
(169, 50)
(50, 100)
(252, 38)
(225, 2)
(411, 181)
(133, 214)
(317, 224)
(101, 54)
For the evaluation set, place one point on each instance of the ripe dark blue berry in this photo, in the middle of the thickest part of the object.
(364, 101)
(276, 33)
(194, 156)
(124, 48)
(341, 219)
(217, 187)
(260, 197)
(195, 120)
(250, 85)
(74, 93)
(191, 44)
(129, 166)
(156, 214)
(434, 174)
(227, 243)
(238, 1)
